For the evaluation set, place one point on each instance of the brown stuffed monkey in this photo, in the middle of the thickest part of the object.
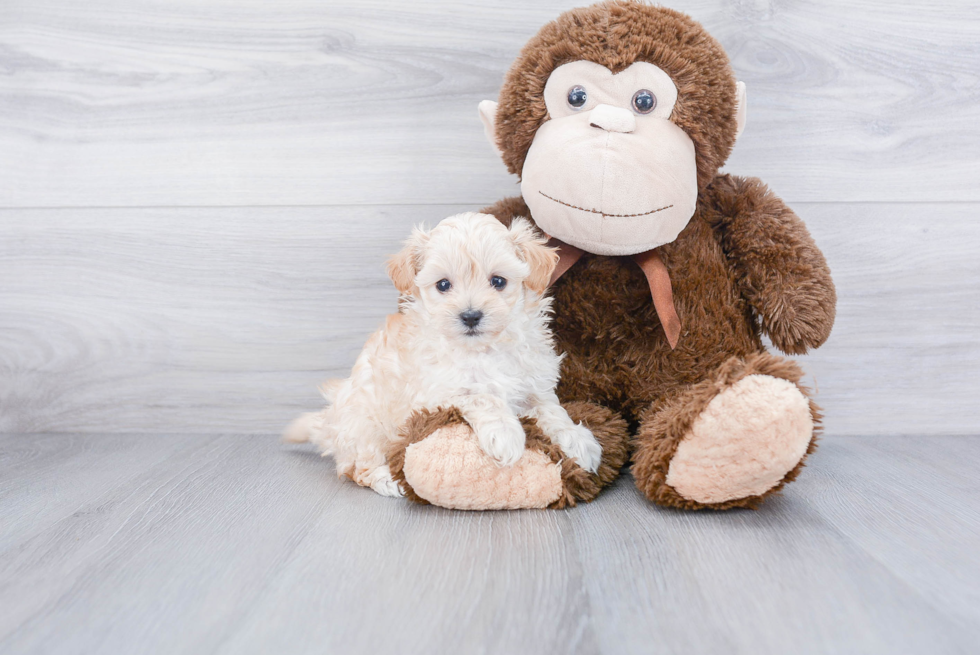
(617, 118)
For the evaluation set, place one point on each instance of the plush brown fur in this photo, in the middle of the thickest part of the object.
(612, 432)
(744, 266)
(779, 269)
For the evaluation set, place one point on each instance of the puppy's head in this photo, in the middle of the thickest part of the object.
(472, 276)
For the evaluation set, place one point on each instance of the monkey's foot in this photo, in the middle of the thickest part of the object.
(440, 461)
(729, 441)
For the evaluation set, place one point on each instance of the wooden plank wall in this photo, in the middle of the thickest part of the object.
(196, 197)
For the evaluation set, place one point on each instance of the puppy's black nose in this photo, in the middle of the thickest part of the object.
(471, 317)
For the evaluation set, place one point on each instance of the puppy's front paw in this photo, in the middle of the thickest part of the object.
(579, 443)
(381, 481)
(503, 441)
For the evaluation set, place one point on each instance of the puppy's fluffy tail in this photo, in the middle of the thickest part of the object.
(302, 428)
(316, 427)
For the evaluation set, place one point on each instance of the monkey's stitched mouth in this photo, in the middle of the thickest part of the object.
(603, 214)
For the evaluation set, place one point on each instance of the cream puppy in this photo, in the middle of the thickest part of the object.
(471, 332)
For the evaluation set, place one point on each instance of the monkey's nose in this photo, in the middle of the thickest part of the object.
(471, 317)
(612, 119)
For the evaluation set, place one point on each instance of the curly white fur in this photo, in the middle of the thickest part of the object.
(426, 357)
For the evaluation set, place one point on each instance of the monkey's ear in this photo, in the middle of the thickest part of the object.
(403, 267)
(488, 114)
(536, 254)
(741, 108)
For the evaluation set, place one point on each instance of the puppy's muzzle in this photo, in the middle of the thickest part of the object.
(471, 318)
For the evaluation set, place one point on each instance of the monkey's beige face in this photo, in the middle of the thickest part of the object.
(609, 172)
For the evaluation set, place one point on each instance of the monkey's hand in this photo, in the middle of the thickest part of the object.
(780, 270)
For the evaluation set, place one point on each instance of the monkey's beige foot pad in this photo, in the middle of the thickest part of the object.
(448, 468)
(744, 442)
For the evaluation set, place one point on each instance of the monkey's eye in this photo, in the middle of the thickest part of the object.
(644, 101)
(577, 97)
(498, 282)
(444, 285)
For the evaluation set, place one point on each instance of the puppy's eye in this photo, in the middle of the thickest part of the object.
(498, 282)
(644, 101)
(444, 285)
(577, 97)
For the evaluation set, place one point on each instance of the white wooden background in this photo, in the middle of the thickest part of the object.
(196, 196)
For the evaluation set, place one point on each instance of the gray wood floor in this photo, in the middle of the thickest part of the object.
(233, 544)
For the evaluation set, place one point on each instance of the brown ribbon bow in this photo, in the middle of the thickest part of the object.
(657, 277)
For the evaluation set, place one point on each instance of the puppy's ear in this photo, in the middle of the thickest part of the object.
(403, 267)
(531, 246)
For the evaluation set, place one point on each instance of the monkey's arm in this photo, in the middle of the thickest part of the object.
(780, 270)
